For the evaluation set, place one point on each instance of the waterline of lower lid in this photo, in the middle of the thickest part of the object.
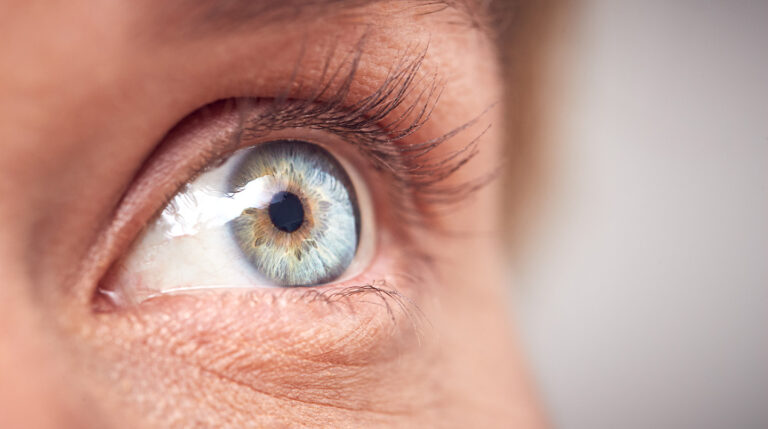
(122, 300)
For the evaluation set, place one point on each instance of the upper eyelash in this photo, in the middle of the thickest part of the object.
(372, 125)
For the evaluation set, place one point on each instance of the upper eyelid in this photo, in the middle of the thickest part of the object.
(380, 124)
(377, 124)
(329, 105)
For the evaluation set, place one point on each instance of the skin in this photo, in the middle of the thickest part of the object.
(90, 89)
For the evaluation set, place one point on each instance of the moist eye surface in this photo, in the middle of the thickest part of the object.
(280, 213)
(306, 230)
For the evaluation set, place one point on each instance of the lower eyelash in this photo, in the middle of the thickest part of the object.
(390, 298)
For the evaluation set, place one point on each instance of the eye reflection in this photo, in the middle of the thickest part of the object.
(308, 232)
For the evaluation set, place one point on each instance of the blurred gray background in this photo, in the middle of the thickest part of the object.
(641, 295)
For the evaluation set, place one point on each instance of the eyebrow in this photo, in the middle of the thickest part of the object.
(211, 16)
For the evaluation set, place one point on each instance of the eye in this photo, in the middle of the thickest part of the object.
(280, 213)
(266, 192)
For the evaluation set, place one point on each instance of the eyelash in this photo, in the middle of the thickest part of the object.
(367, 124)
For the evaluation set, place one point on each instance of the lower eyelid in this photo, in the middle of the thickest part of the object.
(273, 340)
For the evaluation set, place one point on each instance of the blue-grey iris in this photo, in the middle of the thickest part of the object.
(307, 231)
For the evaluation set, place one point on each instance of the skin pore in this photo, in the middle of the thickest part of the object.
(91, 94)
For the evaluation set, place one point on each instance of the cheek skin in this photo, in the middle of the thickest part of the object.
(269, 359)
(337, 352)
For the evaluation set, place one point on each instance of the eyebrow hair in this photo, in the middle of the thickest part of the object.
(211, 16)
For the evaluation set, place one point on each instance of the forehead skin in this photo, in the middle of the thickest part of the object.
(89, 89)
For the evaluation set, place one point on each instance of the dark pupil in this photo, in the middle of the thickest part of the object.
(286, 211)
